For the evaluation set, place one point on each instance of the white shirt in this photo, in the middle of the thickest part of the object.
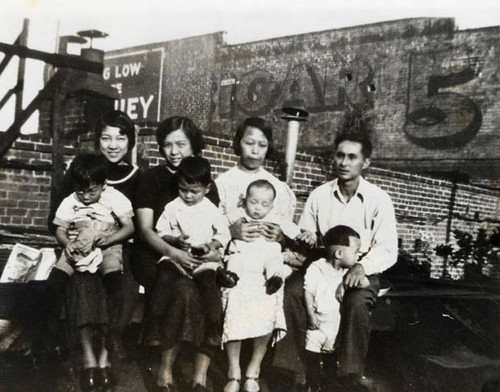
(321, 281)
(202, 222)
(232, 186)
(111, 202)
(369, 211)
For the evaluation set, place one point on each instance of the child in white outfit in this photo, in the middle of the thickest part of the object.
(322, 284)
(260, 255)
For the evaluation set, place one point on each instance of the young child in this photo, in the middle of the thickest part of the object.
(254, 307)
(261, 255)
(191, 222)
(323, 282)
(102, 216)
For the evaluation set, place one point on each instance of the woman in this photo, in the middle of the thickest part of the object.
(177, 138)
(253, 144)
(114, 138)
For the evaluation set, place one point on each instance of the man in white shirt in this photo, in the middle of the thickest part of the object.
(352, 201)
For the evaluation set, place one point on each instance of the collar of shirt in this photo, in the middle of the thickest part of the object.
(360, 191)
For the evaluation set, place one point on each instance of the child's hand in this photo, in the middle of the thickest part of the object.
(69, 250)
(339, 293)
(307, 237)
(102, 240)
(182, 242)
(313, 322)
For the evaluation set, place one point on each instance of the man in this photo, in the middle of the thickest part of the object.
(352, 201)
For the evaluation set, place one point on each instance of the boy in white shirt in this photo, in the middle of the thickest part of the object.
(324, 281)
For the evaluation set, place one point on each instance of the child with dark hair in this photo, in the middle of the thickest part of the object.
(191, 222)
(103, 218)
(323, 282)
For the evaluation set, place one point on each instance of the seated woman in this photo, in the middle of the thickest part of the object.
(176, 316)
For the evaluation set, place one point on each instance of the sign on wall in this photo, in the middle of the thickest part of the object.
(137, 76)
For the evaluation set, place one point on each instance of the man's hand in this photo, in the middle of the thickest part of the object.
(307, 237)
(313, 322)
(355, 277)
(246, 231)
(272, 232)
(339, 293)
(69, 250)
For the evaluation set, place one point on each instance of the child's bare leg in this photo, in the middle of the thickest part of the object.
(89, 359)
(201, 364)
(165, 373)
(259, 350)
(233, 350)
(103, 355)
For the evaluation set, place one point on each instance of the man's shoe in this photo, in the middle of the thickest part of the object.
(89, 380)
(105, 378)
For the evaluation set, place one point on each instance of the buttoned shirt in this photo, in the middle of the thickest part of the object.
(369, 211)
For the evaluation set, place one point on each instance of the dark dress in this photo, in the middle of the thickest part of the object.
(85, 292)
(188, 319)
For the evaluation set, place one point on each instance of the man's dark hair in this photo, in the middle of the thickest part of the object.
(195, 170)
(261, 184)
(356, 127)
(339, 235)
(88, 168)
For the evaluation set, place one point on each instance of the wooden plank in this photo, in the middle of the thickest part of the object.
(23, 40)
(57, 60)
(7, 58)
(10, 135)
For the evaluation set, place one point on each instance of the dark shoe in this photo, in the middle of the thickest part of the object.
(89, 379)
(200, 388)
(273, 284)
(225, 278)
(105, 378)
(153, 335)
(356, 383)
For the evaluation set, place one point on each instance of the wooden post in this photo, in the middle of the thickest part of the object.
(23, 41)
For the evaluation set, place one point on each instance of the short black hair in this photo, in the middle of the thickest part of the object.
(195, 170)
(88, 168)
(364, 140)
(357, 127)
(259, 123)
(119, 119)
(193, 133)
(339, 235)
(261, 184)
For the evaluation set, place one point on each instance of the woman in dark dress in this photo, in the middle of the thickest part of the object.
(115, 138)
(177, 315)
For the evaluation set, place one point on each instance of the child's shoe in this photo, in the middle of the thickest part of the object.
(273, 284)
(225, 278)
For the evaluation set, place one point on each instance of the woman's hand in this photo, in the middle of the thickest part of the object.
(314, 323)
(185, 259)
(272, 232)
(102, 240)
(182, 242)
(246, 231)
(69, 250)
(339, 293)
(213, 255)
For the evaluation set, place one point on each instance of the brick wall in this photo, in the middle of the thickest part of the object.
(423, 204)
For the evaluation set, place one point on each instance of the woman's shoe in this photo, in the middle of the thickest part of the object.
(166, 388)
(232, 385)
(251, 384)
(105, 378)
(89, 381)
